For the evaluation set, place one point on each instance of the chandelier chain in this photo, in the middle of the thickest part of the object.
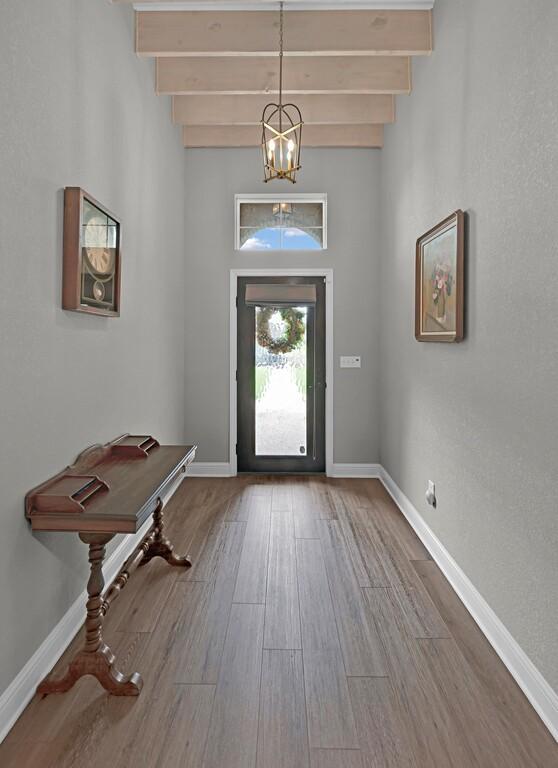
(280, 55)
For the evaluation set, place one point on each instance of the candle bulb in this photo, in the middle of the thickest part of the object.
(290, 147)
(271, 151)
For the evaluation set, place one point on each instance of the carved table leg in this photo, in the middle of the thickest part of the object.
(95, 658)
(159, 546)
(125, 572)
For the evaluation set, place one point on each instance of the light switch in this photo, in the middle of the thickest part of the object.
(349, 361)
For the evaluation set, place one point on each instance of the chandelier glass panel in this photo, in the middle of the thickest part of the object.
(281, 130)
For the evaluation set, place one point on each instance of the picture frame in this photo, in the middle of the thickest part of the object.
(439, 281)
(92, 255)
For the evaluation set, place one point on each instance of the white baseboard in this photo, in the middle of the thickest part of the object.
(354, 470)
(542, 697)
(225, 469)
(22, 688)
(210, 469)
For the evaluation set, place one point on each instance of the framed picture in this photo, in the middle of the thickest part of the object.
(91, 270)
(439, 281)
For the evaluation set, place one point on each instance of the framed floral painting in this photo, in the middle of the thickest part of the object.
(439, 281)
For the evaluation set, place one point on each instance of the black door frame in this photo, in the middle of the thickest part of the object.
(315, 460)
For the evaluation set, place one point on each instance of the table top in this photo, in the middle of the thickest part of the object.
(135, 484)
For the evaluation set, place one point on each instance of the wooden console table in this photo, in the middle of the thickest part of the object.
(110, 489)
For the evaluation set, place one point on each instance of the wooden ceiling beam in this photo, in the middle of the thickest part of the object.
(307, 33)
(247, 110)
(368, 136)
(185, 75)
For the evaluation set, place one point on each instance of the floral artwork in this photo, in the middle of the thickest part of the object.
(442, 279)
(439, 291)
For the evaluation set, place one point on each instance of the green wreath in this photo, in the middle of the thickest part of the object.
(292, 336)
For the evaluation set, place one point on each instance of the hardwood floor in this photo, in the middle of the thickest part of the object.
(313, 631)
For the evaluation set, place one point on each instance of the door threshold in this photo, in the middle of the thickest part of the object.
(279, 474)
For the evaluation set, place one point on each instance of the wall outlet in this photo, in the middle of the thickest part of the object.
(349, 361)
(431, 494)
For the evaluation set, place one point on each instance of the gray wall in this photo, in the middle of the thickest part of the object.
(78, 108)
(351, 180)
(480, 418)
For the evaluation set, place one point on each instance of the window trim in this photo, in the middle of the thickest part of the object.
(288, 198)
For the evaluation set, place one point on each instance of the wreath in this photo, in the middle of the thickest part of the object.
(292, 335)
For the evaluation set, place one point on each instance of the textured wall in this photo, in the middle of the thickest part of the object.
(480, 418)
(78, 108)
(351, 180)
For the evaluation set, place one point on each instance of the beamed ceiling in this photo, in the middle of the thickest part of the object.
(345, 62)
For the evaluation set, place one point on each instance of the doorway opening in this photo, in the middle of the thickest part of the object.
(281, 373)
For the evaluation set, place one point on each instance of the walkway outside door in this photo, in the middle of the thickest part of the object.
(281, 386)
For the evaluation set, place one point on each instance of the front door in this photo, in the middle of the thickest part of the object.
(281, 374)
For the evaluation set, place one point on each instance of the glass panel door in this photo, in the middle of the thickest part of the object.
(281, 382)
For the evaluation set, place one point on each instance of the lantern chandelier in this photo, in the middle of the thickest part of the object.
(281, 130)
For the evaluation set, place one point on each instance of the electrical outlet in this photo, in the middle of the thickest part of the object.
(431, 494)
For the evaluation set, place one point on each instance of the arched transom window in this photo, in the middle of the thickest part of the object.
(287, 223)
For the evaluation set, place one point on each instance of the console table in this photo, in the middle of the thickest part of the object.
(110, 489)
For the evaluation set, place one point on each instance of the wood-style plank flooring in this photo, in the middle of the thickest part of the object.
(314, 631)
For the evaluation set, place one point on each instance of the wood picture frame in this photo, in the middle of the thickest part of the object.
(92, 255)
(439, 281)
